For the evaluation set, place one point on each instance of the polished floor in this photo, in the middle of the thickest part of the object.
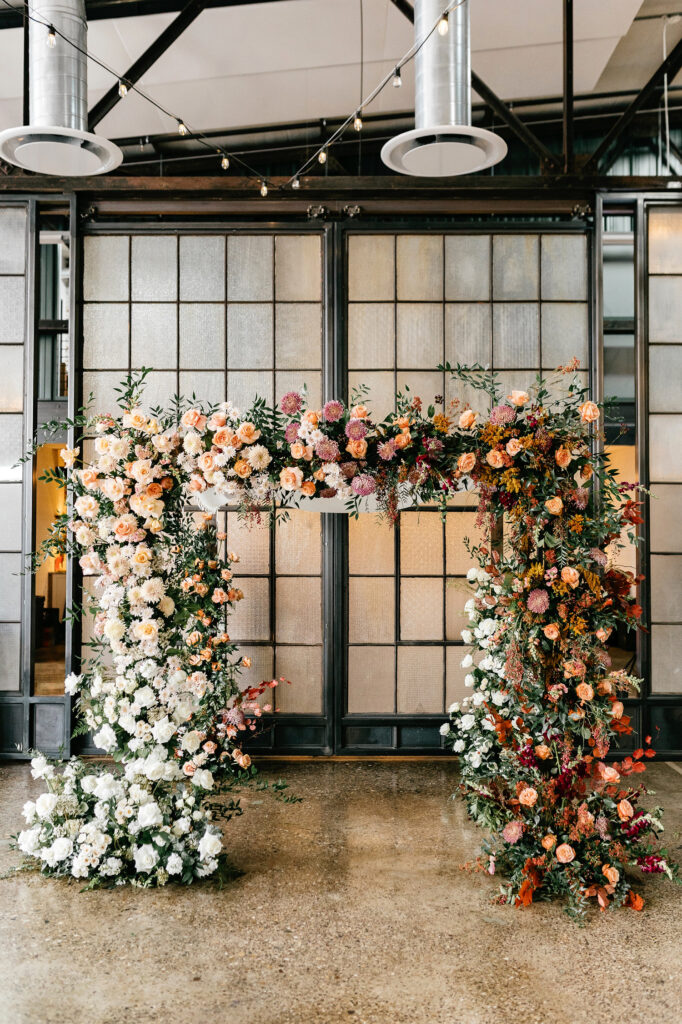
(351, 906)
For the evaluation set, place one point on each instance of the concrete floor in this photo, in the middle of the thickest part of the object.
(351, 907)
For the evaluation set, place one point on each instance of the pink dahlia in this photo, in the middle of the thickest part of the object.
(355, 430)
(333, 410)
(363, 484)
(502, 414)
(387, 450)
(512, 831)
(291, 432)
(538, 601)
(291, 403)
(327, 450)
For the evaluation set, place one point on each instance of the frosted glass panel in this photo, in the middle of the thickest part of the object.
(665, 241)
(381, 397)
(12, 378)
(251, 542)
(666, 659)
(666, 592)
(298, 543)
(299, 610)
(371, 615)
(455, 675)
(154, 334)
(458, 526)
(425, 385)
(457, 593)
(13, 234)
(467, 267)
(154, 268)
(105, 335)
(249, 336)
(13, 305)
(371, 335)
(468, 333)
(665, 516)
(515, 334)
(243, 388)
(665, 449)
(159, 389)
(202, 267)
(371, 545)
(515, 267)
(298, 335)
(420, 267)
(371, 680)
(298, 268)
(419, 334)
(302, 666)
(249, 268)
(421, 609)
(564, 333)
(207, 385)
(11, 515)
(10, 635)
(564, 267)
(250, 619)
(665, 378)
(371, 267)
(421, 543)
(10, 592)
(420, 680)
(665, 309)
(105, 267)
(102, 385)
(202, 336)
(456, 390)
(262, 668)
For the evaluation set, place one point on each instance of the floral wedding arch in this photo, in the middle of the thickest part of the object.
(161, 693)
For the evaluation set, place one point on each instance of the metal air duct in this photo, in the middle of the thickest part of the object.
(443, 142)
(57, 140)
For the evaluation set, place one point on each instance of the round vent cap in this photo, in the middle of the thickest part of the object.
(443, 151)
(65, 152)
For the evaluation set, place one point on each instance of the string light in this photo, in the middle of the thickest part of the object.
(224, 163)
(182, 128)
(357, 123)
(322, 156)
(264, 190)
(122, 89)
(296, 183)
(443, 26)
(51, 37)
(397, 79)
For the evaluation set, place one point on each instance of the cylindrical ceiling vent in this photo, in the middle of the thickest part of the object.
(443, 141)
(57, 140)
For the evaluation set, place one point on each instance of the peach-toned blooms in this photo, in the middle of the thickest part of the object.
(403, 440)
(197, 483)
(466, 462)
(554, 505)
(589, 412)
(308, 488)
(528, 796)
(216, 421)
(609, 774)
(247, 433)
(113, 488)
(141, 470)
(89, 478)
(135, 419)
(225, 438)
(565, 853)
(551, 631)
(403, 422)
(602, 634)
(542, 751)
(359, 412)
(242, 468)
(125, 527)
(562, 457)
(219, 596)
(617, 709)
(69, 456)
(518, 398)
(513, 446)
(584, 691)
(604, 687)
(467, 419)
(548, 842)
(625, 810)
(146, 630)
(194, 418)
(571, 576)
(206, 462)
(87, 506)
(495, 458)
(291, 478)
(297, 450)
(311, 416)
(358, 449)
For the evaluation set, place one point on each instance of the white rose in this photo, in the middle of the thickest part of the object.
(467, 661)
(191, 741)
(106, 787)
(149, 814)
(472, 574)
(469, 679)
(174, 864)
(467, 722)
(41, 769)
(155, 770)
(184, 710)
(181, 826)
(499, 698)
(163, 730)
(72, 683)
(45, 804)
(28, 840)
(88, 783)
(105, 738)
(466, 636)
(146, 857)
(444, 729)
(458, 746)
(210, 845)
(61, 848)
(474, 759)
(144, 697)
(453, 708)
(203, 778)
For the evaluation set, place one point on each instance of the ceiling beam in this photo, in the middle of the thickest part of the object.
(100, 10)
(148, 58)
(499, 107)
(670, 67)
(568, 86)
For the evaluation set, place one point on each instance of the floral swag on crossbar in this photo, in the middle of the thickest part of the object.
(545, 704)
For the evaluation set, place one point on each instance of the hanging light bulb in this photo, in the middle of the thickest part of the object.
(296, 183)
(357, 123)
(122, 89)
(397, 79)
(51, 37)
(443, 26)
(322, 156)
(182, 128)
(264, 190)
(224, 162)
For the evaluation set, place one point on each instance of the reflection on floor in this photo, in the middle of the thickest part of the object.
(48, 671)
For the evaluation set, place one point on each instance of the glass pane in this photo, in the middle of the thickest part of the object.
(262, 668)
(50, 582)
(105, 335)
(371, 267)
(381, 390)
(202, 336)
(249, 268)
(419, 334)
(202, 267)
(105, 267)
(665, 240)
(665, 309)
(12, 378)
(154, 334)
(666, 659)
(298, 335)
(421, 543)
(13, 304)
(11, 515)
(665, 449)
(243, 388)
(564, 333)
(455, 690)
(666, 593)
(250, 618)
(10, 592)
(420, 680)
(516, 334)
(11, 447)
(665, 378)
(371, 545)
(468, 333)
(457, 593)
(467, 267)
(564, 267)
(298, 268)
(159, 388)
(465, 394)
(154, 268)
(13, 234)
(419, 267)
(207, 385)
(665, 516)
(298, 543)
(101, 385)
(618, 281)
(249, 336)
(425, 385)
(515, 267)
(302, 666)
(458, 526)
(421, 609)
(299, 610)
(293, 380)
(10, 637)
(371, 612)
(251, 542)
(371, 680)
(371, 335)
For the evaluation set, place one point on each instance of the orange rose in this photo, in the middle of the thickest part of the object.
(495, 459)
(625, 810)
(247, 433)
(125, 526)
(242, 468)
(311, 417)
(584, 691)
(403, 422)
(246, 662)
(542, 751)
(466, 462)
(604, 687)
(223, 438)
(555, 506)
(609, 774)
(89, 478)
(194, 418)
(589, 412)
(359, 412)
(518, 398)
(467, 419)
(613, 874)
(570, 576)
(308, 488)
(297, 450)
(154, 490)
(548, 842)
(562, 457)
(167, 483)
(219, 596)
(528, 796)
(319, 475)
(358, 449)
(617, 709)
(513, 446)
(403, 440)
(551, 631)
(565, 853)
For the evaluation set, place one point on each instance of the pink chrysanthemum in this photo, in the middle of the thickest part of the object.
(327, 450)
(363, 484)
(355, 430)
(387, 450)
(512, 831)
(291, 403)
(333, 410)
(291, 432)
(502, 414)
(538, 601)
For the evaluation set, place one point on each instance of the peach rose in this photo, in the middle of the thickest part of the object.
(311, 417)
(359, 412)
(570, 576)
(403, 440)
(146, 630)
(135, 419)
(609, 774)
(69, 456)
(308, 453)
(513, 446)
(555, 506)
(617, 709)
(565, 853)
(542, 751)
(584, 691)
(604, 687)
(194, 418)
(87, 506)
(291, 478)
(205, 462)
(625, 810)
(562, 457)
(89, 478)
(358, 449)
(246, 662)
(197, 483)
(467, 419)
(219, 596)
(495, 459)
(154, 526)
(113, 488)
(125, 526)
(242, 469)
(528, 796)
(551, 631)
(308, 488)
(613, 874)
(189, 768)
(223, 438)
(403, 422)
(247, 433)
(589, 412)
(603, 634)
(466, 462)
(518, 398)
(548, 842)
(297, 450)
(217, 420)
(154, 490)
(142, 556)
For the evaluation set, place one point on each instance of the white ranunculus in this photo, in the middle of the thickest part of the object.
(106, 786)
(500, 698)
(467, 722)
(174, 864)
(105, 738)
(210, 845)
(62, 848)
(466, 636)
(469, 679)
(181, 826)
(203, 778)
(453, 708)
(154, 770)
(88, 783)
(45, 804)
(444, 729)
(191, 741)
(458, 746)
(474, 759)
(146, 857)
(144, 697)
(28, 841)
(163, 730)
(29, 811)
(41, 768)
(72, 683)
(127, 722)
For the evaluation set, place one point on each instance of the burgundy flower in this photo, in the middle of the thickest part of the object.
(538, 601)
(327, 492)
(580, 497)
(355, 430)
(291, 403)
(333, 410)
